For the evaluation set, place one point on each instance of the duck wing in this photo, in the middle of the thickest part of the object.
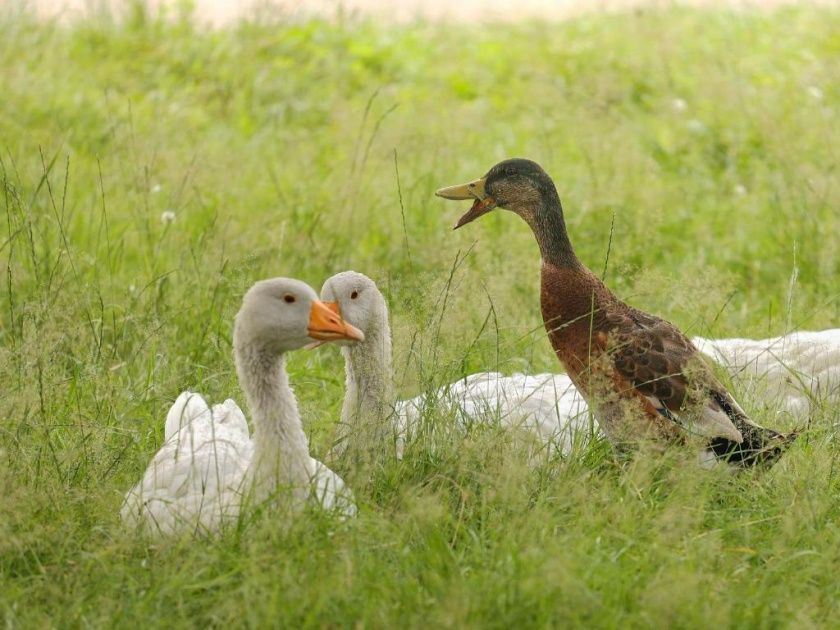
(662, 364)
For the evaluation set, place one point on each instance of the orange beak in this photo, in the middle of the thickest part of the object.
(325, 324)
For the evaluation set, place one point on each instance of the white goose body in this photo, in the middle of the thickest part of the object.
(548, 405)
(210, 465)
(789, 372)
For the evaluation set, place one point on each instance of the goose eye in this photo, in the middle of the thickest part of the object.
(289, 298)
(354, 295)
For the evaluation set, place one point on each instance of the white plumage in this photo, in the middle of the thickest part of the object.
(197, 478)
(190, 409)
(788, 373)
(548, 406)
(210, 464)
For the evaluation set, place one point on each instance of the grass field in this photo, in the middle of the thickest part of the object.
(706, 141)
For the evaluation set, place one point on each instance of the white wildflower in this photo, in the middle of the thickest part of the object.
(155, 189)
(696, 125)
(740, 190)
(679, 105)
(167, 216)
(815, 92)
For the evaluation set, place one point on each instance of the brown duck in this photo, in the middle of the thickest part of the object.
(642, 376)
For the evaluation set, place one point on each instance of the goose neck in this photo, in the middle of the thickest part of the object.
(281, 449)
(369, 376)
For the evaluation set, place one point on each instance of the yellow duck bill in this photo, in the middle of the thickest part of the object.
(483, 203)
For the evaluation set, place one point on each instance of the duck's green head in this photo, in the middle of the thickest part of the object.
(519, 185)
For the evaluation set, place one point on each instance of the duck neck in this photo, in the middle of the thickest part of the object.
(545, 217)
(281, 449)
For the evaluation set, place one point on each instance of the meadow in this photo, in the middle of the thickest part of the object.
(153, 170)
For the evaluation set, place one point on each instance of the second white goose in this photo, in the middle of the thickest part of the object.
(547, 405)
(790, 373)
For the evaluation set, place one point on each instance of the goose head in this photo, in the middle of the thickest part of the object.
(284, 314)
(519, 185)
(357, 299)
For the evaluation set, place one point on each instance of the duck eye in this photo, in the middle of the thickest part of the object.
(354, 295)
(289, 298)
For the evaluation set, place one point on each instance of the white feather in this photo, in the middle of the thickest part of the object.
(546, 405)
(790, 372)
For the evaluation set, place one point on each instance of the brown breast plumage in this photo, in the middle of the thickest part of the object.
(580, 315)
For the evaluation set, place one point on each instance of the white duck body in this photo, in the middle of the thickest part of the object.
(209, 463)
(546, 404)
(791, 371)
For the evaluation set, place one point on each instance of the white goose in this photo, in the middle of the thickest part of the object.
(548, 405)
(209, 464)
(790, 372)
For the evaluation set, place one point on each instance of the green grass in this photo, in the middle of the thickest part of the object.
(708, 138)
